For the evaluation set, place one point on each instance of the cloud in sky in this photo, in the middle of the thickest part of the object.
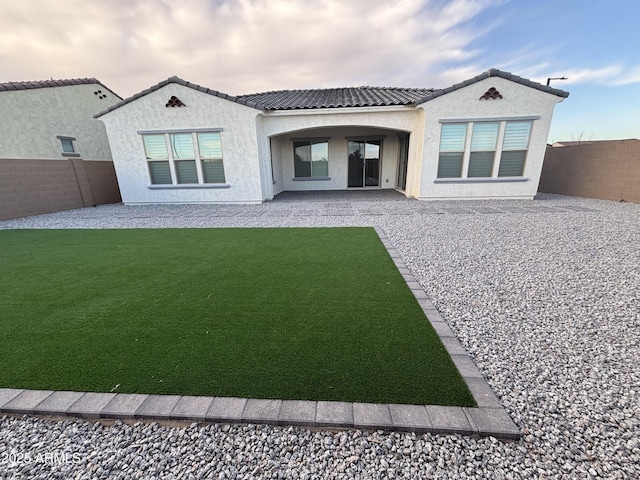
(614, 75)
(239, 46)
(244, 46)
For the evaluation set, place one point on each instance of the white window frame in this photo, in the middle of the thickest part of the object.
(167, 134)
(502, 123)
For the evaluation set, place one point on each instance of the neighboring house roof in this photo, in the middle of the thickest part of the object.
(13, 86)
(570, 143)
(575, 143)
(341, 97)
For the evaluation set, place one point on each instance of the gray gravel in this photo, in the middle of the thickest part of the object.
(545, 299)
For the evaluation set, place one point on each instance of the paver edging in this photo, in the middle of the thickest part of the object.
(489, 411)
(419, 419)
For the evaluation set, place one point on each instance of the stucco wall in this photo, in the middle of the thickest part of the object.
(276, 153)
(33, 187)
(32, 119)
(464, 105)
(609, 170)
(239, 145)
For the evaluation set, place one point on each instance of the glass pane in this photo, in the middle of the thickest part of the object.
(320, 168)
(160, 173)
(485, 136)
(372, 149)
(452, 137)
(210, 145)
(320, 159)
(213, 171)
(481, 164)
(186, 171)
(512, 163)
(302, 159)
(320, 152)
(67, 145)
(372, 163)
(450, 165)
(155, 147)
(403, 157)
(356, 149)
(516, 136)
(356, 164)
(182, 146)
(372, 172)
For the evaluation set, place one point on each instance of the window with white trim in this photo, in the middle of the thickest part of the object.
(470, 150)
(311, 158)
(184, 158)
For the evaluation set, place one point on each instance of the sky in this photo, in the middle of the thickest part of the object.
(247, 46)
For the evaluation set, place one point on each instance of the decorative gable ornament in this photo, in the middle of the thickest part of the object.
(491, 94)
(174, 102)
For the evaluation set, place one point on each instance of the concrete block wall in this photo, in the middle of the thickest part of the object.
(103, 182)
(33, 187)
(609, 170)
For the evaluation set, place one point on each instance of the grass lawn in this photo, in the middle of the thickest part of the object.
(291, 313)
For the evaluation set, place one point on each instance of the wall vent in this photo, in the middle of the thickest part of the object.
(491, 94)
(174, 102)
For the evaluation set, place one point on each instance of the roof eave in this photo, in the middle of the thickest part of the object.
(334, 110)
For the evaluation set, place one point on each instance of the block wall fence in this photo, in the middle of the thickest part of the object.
(33, 187)
(609, 170)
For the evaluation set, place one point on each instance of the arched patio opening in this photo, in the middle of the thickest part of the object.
(339, 158)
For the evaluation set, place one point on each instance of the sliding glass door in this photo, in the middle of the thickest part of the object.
(364, 163)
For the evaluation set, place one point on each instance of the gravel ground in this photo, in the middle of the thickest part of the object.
(546, 301)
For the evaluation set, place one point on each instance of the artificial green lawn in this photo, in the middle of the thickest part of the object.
(291, 313)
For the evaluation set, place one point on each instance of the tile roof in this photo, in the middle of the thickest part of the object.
(337, 97)
(30, 85)
(340, 97)
(376, 96)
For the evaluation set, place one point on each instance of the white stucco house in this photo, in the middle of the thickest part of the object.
(54, 155)
(177, 142)
(53, 119)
